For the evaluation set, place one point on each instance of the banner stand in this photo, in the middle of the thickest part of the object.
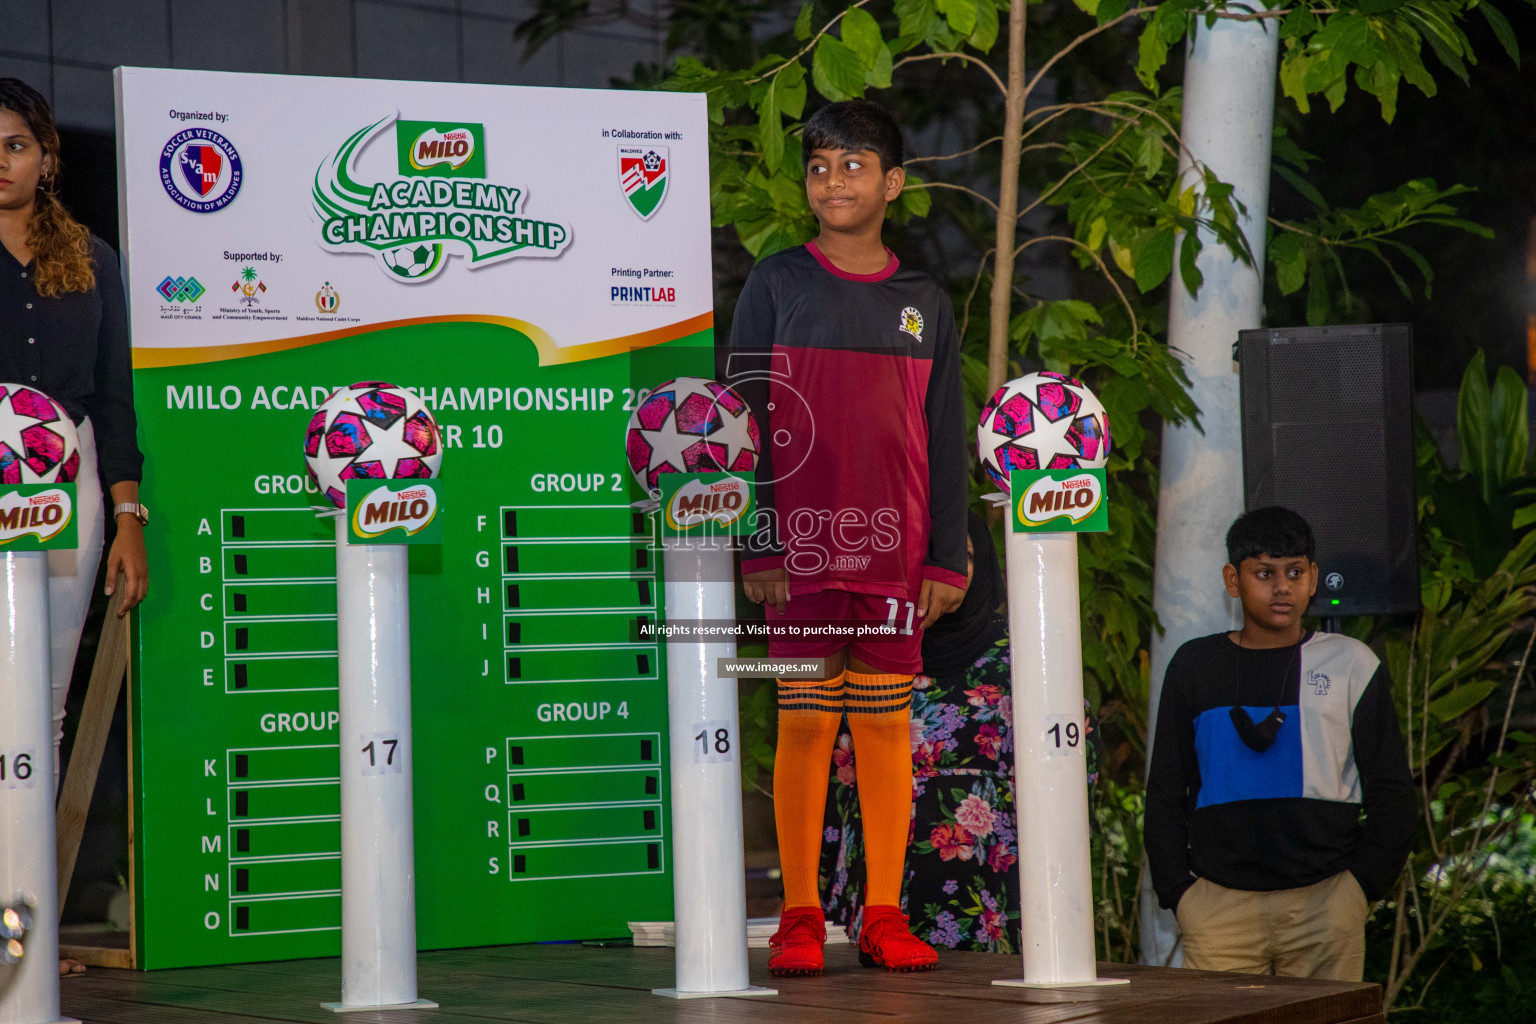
(708, 866)
(1050, 765)
(378, 854)
(28, 869)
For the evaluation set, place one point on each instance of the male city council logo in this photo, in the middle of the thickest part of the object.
(200, 170)
(697, 502)
(43, 514)
(643, 177)
(181, 289)
(383, 510)
(327, 299)
(438, 205)
(1077, 497)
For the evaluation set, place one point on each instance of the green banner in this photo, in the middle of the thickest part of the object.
(38, 517)
(393, 512)
(706, 504)
(1059, 501)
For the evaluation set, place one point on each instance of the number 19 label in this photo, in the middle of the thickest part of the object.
(381, 754)
(712, 742)
(1063, 735)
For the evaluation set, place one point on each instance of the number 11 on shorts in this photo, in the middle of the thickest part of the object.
(890, 620)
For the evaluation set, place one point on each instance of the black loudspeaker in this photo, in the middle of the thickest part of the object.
(1328, 431)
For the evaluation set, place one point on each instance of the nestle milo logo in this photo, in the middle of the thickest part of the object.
(44, 513)
(383, 509)
(1059, 500)
(440, 148)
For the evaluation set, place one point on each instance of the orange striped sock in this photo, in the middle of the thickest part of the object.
(809, 714)
(879, 714)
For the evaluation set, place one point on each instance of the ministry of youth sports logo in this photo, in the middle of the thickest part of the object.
(200, 170)
(643, 177)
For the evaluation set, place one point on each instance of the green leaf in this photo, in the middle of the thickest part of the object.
(1502, 30)
(1525, 517)
(1189, 249)
(879, 76)
(1461, 700)
(1319, 303)
(987, 26)
(1302, 185)
(961, 15)
(770, 130)
(1154, 259)
(1290, 260)
(861, 33)
(1152, 53)
(1473, 403)
(803, 22)
(916, 17)
(836, 71)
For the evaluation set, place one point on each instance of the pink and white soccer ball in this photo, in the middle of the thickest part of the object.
(1042, 420)
(38, 442)
(690, 425)
(370, 431)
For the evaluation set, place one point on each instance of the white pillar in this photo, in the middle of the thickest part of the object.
(1228, 120)
(29, 992)
(709, 893)
(1050, 768)
(378, 862)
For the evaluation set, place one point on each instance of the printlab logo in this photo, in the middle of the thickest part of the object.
(249, 287)
(912, 322)
(1319, 682)
(200, 170)
(327, 299)
(181, 289)
(437, 206)
(44, 515)
(643, 177)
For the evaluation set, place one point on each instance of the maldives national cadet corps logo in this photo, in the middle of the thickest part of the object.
(327, 299)
(200, 170)
(438, 206)
(643, 177)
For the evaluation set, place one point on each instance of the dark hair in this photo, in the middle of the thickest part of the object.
(1274, 531)
(854, 124)
(61, 245)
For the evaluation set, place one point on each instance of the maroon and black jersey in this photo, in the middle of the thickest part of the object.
(855, 383)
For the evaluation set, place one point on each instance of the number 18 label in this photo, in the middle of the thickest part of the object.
(1063, 735)
(712, 742)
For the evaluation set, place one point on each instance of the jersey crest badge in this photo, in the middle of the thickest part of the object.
(912, 322)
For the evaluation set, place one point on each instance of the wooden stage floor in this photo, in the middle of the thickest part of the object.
(551, 984)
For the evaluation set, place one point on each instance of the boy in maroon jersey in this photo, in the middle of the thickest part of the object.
(853, 369)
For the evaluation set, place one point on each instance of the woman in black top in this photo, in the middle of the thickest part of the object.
(64, 331)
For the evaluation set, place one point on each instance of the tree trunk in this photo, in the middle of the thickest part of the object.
(1007, 202)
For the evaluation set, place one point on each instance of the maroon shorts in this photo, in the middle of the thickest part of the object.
(843, 611)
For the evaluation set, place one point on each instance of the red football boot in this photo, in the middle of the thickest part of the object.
(797, 944)
(886, 941)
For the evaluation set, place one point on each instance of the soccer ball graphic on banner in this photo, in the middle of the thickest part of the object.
(414, 263)
(370, 431)
(690, 425)
(1042, 420)
(38, 442)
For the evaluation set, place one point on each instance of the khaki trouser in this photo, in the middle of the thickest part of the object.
(1317, 931)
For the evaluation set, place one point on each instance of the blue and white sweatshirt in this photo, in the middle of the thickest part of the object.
(1332, 793)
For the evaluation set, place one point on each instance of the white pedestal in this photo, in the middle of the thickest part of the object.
(378, 855)
(708, 869)
(29, 992)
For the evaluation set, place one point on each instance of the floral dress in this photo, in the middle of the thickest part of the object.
(961, 889)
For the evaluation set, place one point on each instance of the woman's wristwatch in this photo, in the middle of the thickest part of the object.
(134, 509)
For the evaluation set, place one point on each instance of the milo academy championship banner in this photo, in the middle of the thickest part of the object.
(526, 260)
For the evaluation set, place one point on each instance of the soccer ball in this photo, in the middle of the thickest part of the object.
(1042, 421)
(370, 431)
(38, 443)
(690, 425)
(414, 263)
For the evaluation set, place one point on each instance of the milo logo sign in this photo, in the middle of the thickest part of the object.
(392, 512)
(705, 503)
(37, 517)
(432, 148)
(1059, 500)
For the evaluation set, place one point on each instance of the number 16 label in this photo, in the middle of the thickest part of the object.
(712, 742)
(1063, 735)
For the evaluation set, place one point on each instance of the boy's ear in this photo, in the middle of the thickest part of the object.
(895, 181)
(1229, 577)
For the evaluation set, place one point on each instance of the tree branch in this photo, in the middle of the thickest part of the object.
(1134, 12)
(955, 156)
(958, 188)
(1042, 197)
(1103, 268)
(957, 56)
(809, 45)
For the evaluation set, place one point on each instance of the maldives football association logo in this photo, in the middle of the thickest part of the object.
(200, 170)
(643, 177)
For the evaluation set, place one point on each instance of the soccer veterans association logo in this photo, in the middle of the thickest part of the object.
(912, 322)
(643, 177)
(200, 170)
(438, 205)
